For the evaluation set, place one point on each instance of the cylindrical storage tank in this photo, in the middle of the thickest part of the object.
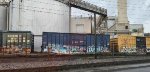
(3, 18)
(39, 16)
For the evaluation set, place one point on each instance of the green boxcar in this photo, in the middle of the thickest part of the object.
(18, 39)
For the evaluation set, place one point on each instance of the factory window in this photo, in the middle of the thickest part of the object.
(126, 27)
(80, 28)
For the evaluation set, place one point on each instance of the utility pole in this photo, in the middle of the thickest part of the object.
(8, 15)
(95, 36)
(69, 18)
(91, 24)
(113, 53)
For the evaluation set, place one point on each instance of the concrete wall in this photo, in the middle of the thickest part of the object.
(138, 27)
(89, 24)
(86, 21)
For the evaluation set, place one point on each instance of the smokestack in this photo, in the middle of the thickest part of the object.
(123, 23)
(122, 11)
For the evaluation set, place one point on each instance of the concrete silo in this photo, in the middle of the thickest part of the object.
(3, 18)
(39, 16)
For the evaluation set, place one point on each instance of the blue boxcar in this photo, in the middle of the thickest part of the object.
(102, 43)
(73, 43)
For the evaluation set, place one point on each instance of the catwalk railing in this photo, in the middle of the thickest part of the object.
(85, 6)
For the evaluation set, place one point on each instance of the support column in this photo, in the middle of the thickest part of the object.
(91, 24)
(69, 19)
(8, 10)
(95, 36)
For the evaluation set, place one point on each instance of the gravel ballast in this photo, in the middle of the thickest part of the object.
(67, 63)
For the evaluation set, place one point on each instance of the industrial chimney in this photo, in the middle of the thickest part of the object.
(122, 21)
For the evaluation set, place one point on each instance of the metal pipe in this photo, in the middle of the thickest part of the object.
(69, 23)
(10, 15)
(95, 36)
(91, 25)
(113, 50)
(19, 21)
(8, 10)
(69, 18)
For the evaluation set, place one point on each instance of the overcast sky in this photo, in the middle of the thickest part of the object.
(138, 11)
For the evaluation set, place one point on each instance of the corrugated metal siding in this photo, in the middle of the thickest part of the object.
(124, 43)
(103, 42)
(140, 42)
(148, 42)
(114, 45)
(39, 16)
(3, 18)
(91, 49)
(89, 43)
(67, 43)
